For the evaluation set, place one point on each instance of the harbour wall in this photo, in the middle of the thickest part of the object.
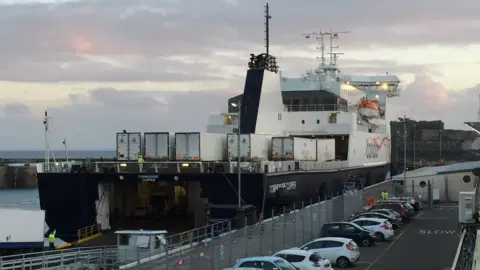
(18, 177)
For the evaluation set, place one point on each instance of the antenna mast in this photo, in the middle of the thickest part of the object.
(46, 123)
(264, 61)
(332, 36)
(267, 29)
(320, 36)
(321, 46)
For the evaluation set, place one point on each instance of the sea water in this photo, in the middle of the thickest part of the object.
(20, 199)
(24, 199)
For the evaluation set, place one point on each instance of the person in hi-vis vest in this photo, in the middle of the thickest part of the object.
(384, 195)
(51, 240)
(140, 163)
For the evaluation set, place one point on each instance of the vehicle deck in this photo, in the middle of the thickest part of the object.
(427, 243)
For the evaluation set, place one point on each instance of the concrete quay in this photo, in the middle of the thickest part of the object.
(18, 176)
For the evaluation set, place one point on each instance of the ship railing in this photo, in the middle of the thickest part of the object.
(89, 231)
(467, 250)
(316, 108)
(156, 167)
(107, 256)
(77, 257)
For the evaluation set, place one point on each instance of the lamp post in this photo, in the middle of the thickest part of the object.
(414, 147)
(404, 120)
(440, 154)
(239, 172)
(405, 151)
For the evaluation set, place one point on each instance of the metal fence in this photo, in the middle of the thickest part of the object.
(420, 193)
(110, 257)
(212, 247)
(465, 252)
(290, 229)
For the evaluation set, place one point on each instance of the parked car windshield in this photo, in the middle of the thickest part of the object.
(284, 265)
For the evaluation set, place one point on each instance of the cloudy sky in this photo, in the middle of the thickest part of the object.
(99, 66)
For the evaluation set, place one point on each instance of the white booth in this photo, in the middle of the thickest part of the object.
(134, 245)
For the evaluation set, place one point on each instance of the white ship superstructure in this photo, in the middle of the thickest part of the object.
(324, 103)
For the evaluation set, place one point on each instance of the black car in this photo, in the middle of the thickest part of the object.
(393, 221)
(349, 230)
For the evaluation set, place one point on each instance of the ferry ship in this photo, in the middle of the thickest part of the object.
(302, 138)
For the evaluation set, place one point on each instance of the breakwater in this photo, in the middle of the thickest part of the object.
(12, 176)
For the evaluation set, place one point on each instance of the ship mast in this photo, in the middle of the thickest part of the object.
(267, 29)
(265, 61)
(320, 37)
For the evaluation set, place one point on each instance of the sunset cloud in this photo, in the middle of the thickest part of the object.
(100, 66)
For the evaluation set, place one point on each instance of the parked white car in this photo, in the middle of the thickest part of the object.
(305, 260)
(382, 229)
(339, 251)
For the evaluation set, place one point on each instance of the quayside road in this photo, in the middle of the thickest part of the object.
(427, 243)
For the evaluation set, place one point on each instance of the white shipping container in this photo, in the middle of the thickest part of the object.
(325, 149)
(200, 146)
(253, 147)
(129, 145)
(22, 228)
(294, 148)
(159, 145)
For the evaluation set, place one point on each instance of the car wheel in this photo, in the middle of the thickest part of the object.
(380, 236)
(343, 262)
(395, 226)
(366, 242)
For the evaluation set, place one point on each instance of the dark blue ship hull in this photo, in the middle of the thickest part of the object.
(69, 198)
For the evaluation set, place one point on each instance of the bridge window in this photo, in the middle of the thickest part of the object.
(332, 118)
(227, 120)
(303, 121)
(318, 121)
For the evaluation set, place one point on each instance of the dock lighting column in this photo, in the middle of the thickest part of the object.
(404, 120)
(239, 172)
(414, 147)
(440, 154)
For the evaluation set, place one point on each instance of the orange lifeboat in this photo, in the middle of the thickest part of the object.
(369, 108)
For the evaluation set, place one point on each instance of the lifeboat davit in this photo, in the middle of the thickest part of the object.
(369, 108)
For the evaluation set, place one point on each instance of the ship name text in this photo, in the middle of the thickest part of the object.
(148, 178)
(282, 186)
